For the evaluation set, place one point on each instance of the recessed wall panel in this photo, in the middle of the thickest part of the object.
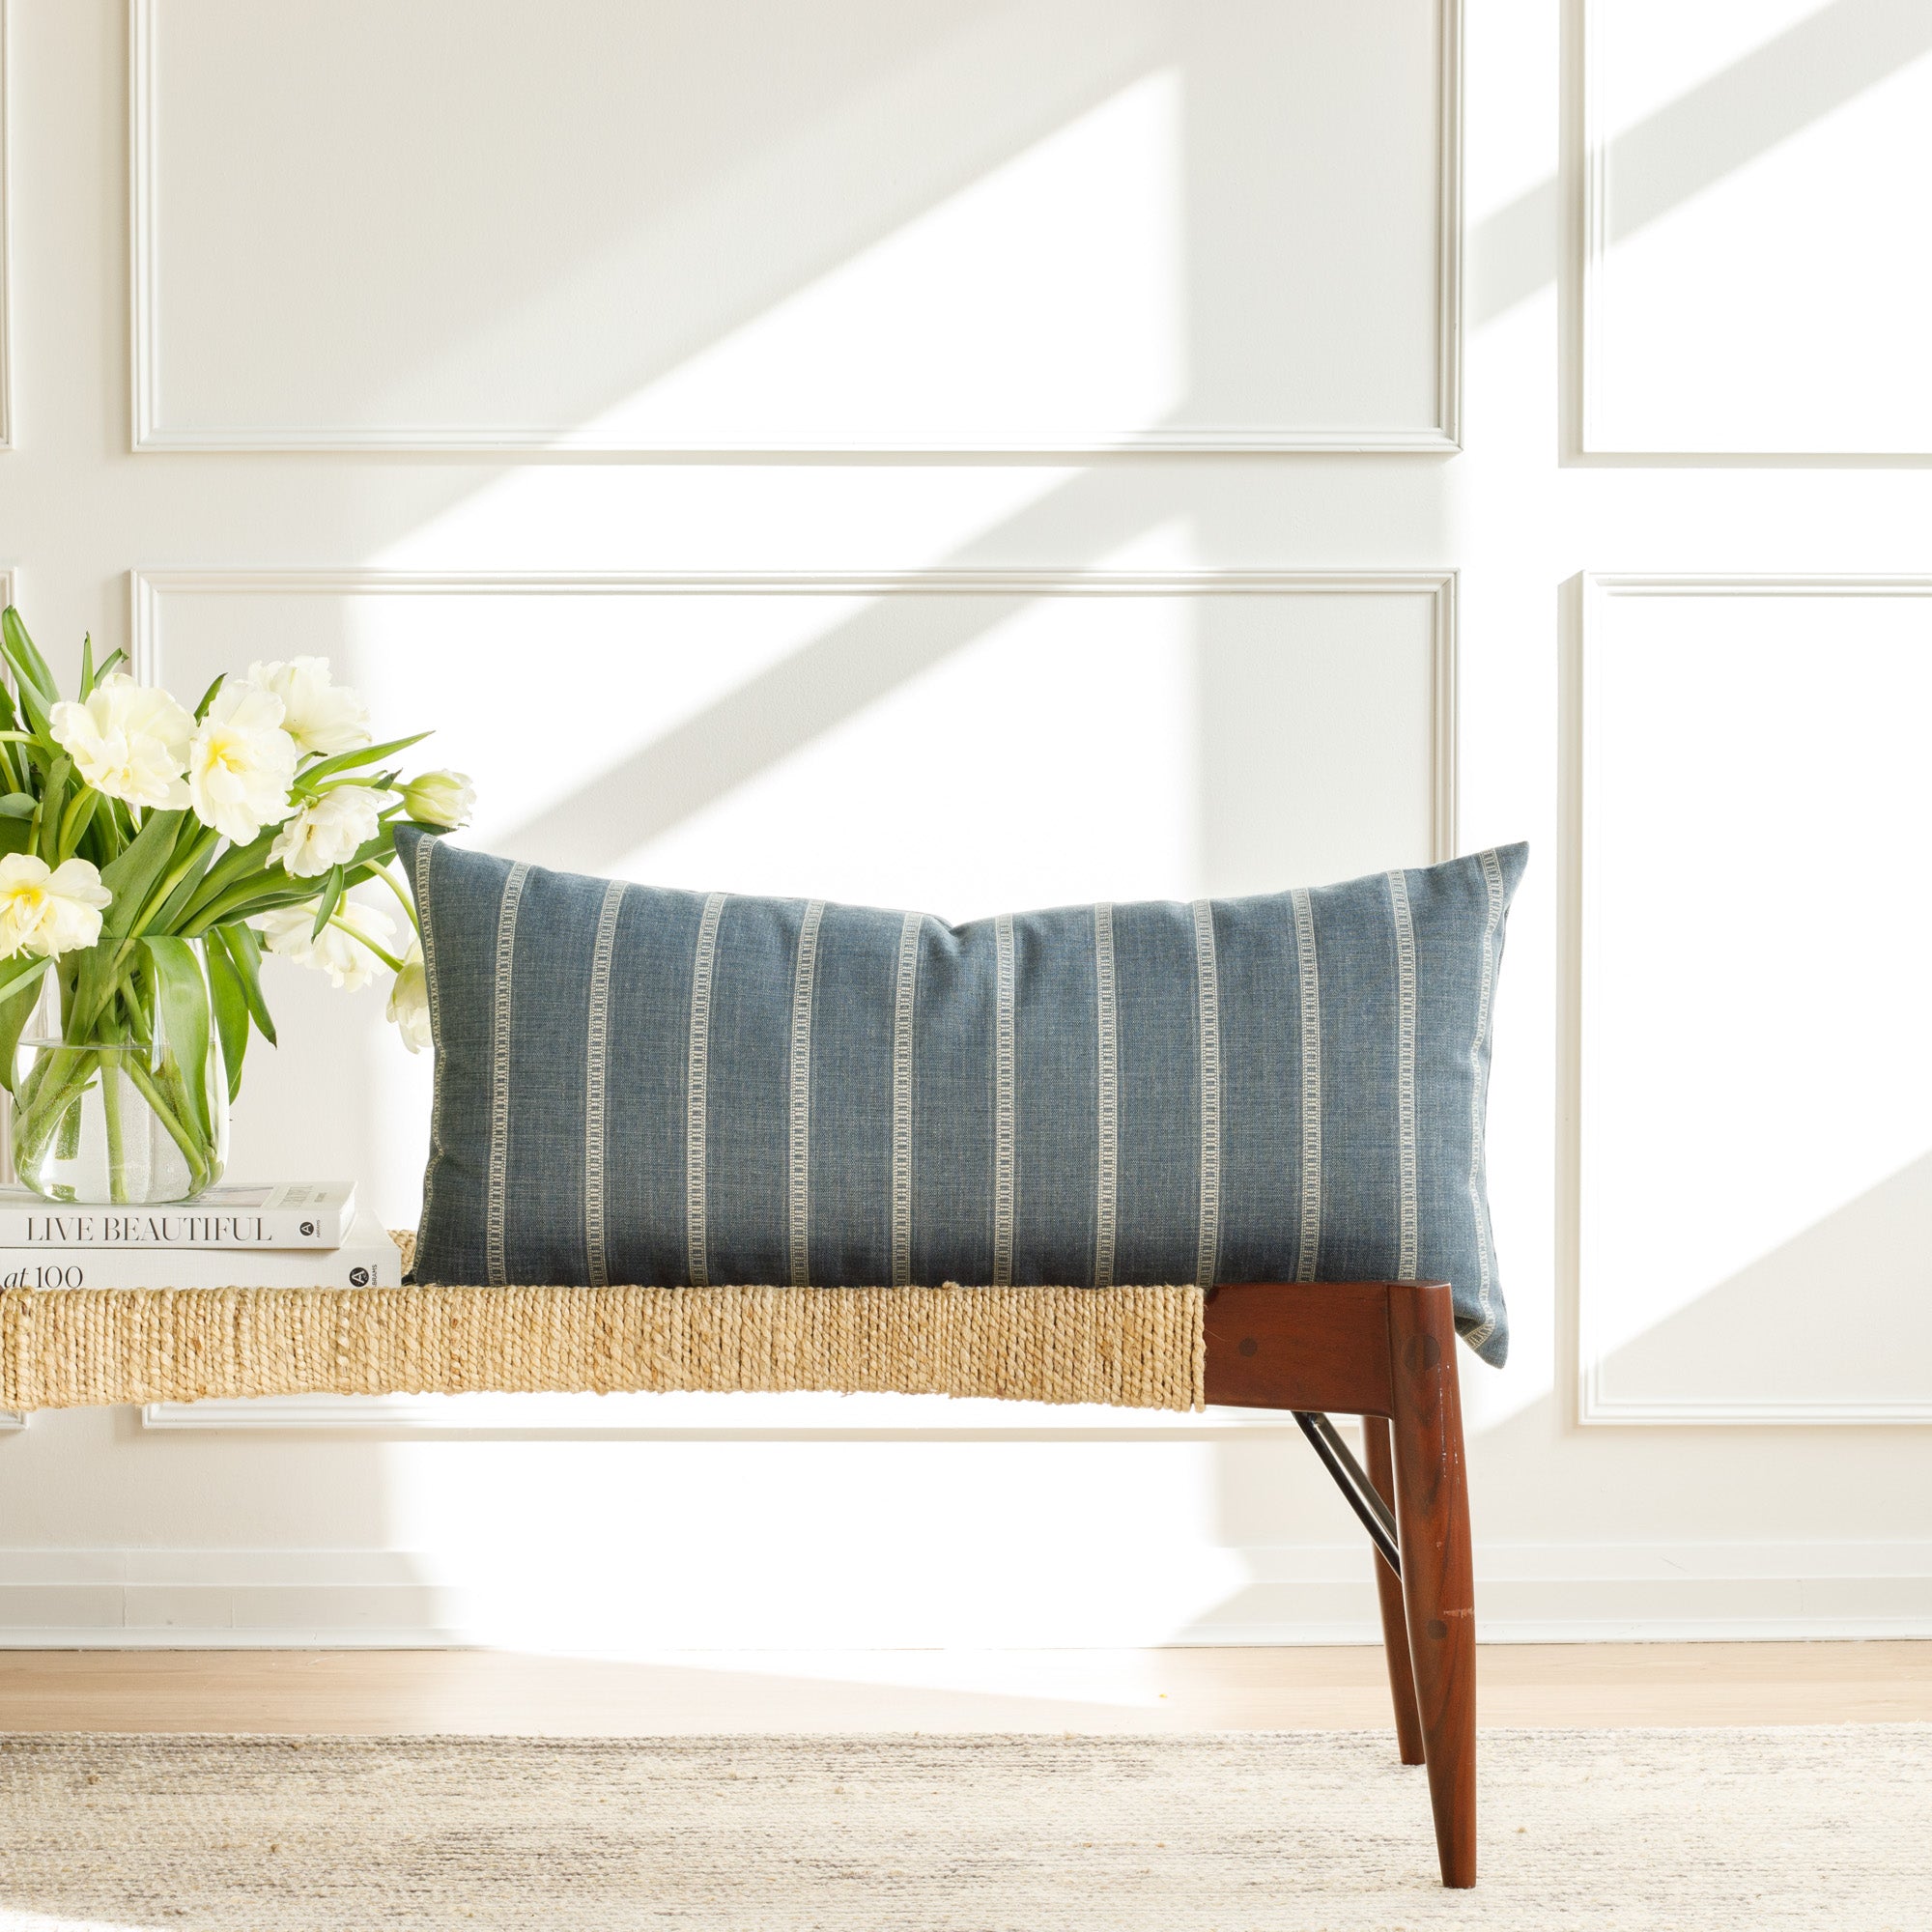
(961, 746)
(1755, 1097)
(719, 224)
(1755, 275)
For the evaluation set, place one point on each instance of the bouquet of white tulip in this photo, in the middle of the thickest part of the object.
(147, 855)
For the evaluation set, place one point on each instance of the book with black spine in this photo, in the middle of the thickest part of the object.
(278, 1214)
(367, 1259)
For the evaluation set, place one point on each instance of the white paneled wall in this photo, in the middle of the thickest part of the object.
(968, 454)
(1071, 225)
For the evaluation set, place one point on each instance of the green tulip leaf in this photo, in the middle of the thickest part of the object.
(331, 897)
(53, 804)
(231, 1013)
(346, 761)
(138, 869)
(168, 919)
(20, 989)
(184, 998)
(29, 668)
(244, 952)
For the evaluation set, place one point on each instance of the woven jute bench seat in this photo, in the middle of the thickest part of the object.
(1135, 1347)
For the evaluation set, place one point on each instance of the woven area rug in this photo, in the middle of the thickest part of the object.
(1703, 1831)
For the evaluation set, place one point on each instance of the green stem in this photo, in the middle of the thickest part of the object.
(110, 1108)
(192, 1150)
(66, 1142)
(56, 1085)
(382, 952)
(126, 944)
(396, 886)
(41, 1113)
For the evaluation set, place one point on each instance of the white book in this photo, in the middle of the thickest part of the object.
(368, 1258)
(282, 1214)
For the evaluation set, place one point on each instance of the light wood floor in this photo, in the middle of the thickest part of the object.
(483, 1691)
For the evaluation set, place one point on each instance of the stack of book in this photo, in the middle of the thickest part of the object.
(292, 1235)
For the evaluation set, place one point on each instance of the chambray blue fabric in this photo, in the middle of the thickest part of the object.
(635, 1084)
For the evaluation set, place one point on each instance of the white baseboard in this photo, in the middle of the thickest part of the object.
(373, 1599)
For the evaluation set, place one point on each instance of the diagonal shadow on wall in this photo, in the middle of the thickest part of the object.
(1826, 1305)
(1774, 93)
(1763, 98)
(757, 724)
(858, 660)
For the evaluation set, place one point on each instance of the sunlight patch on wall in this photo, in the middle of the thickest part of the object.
(1050, 292)
(906, 751)
(1052, 760)
(1659, 51)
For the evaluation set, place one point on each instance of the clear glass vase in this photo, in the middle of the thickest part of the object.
(101, 1121)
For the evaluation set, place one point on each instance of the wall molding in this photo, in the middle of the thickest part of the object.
(1592, 176)
(5, 225)
(1586, 163)
(142, 295)
(1594, 1404)
(1443, 437)
(147, 586)
(1446, 434)
(1306, 1593)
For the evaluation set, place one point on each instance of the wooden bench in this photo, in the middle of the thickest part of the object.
(1383, 1351)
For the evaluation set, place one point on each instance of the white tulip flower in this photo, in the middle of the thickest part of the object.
(349, 966)
(48, 912)
(241, 763)
(129, 740)
(328, 830)
(440, 798)
(318, 713)
(409, 1001)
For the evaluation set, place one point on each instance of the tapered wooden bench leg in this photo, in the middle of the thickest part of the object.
(1431, 1501)
(1388, 1586)
(1373, 1349)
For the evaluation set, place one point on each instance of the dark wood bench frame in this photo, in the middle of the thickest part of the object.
(1385, 1351)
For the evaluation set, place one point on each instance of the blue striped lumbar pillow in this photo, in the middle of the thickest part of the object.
(665, 1087)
